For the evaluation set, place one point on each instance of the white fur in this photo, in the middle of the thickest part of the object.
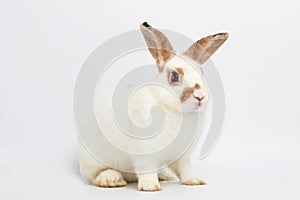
(139, 111)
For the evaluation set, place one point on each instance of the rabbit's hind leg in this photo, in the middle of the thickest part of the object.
(96, 173)
(185, 172)
(109, 178)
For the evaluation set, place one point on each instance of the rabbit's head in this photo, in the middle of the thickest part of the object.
(183, 73)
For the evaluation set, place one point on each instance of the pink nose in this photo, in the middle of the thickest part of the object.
(199, 99)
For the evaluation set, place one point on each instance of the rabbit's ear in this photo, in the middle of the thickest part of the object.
(201, 50)
(158, 44)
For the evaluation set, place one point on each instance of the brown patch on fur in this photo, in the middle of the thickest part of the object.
(197, 86)
(180, 71)
(201, 50)
(186, 94)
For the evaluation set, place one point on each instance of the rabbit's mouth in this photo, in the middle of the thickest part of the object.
(199, 100)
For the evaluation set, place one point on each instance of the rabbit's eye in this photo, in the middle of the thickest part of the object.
(174, 77)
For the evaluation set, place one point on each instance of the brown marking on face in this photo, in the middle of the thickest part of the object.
(180, 73)
(186, 94)
(197, 86)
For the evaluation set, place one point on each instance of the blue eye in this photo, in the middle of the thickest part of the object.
(174, 77)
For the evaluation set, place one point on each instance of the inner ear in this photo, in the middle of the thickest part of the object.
(204, 48)
(158, 45)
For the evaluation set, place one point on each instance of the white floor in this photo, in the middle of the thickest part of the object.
(46, 168)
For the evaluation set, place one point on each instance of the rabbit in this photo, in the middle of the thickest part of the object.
(190, 87)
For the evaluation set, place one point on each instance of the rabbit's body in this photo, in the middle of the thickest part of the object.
(189, 99)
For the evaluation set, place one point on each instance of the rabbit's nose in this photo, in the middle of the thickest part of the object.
(199, 99)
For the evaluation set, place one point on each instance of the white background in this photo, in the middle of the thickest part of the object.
(44, 43)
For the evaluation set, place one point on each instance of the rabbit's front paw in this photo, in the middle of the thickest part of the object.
(148, 182)
(110, 178)
(149, 186)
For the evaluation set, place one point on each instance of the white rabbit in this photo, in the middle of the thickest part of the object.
(190, 88)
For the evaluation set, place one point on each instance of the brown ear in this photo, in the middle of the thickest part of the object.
(158, 44)
(201, 50)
